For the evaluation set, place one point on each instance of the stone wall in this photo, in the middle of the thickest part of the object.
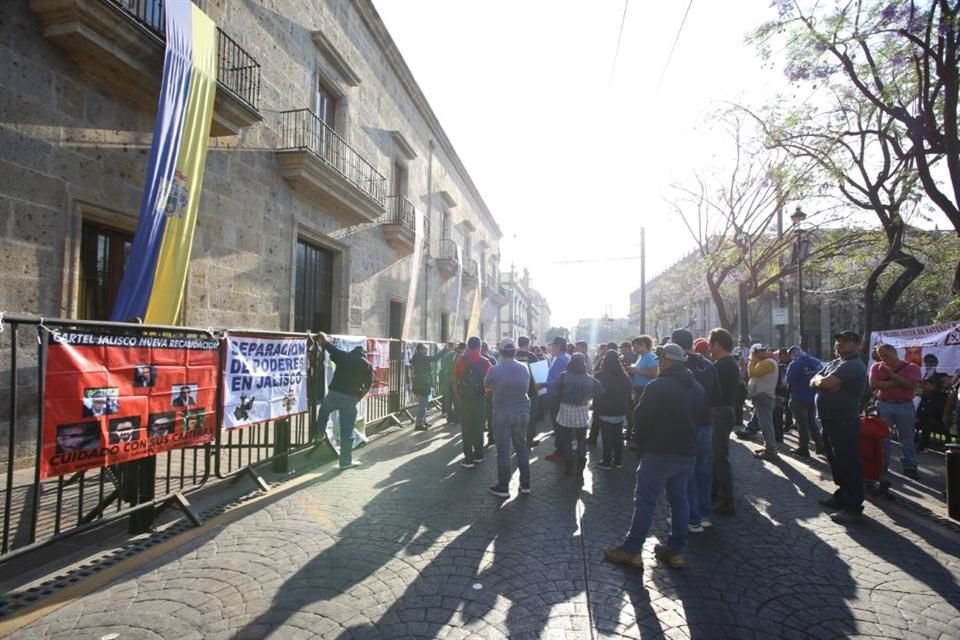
(74, 148)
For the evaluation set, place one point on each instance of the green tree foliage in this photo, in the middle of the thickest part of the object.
(900, 57)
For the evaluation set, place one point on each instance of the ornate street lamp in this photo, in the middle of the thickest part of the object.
(797, 218)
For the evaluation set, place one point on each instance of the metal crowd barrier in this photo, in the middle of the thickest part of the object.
(38, 512)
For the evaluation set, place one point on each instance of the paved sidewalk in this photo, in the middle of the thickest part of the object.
(412, 545)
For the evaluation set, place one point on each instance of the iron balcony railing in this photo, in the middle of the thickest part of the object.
(448, 250)
(237, 71)
(401, 211)
(303, 130)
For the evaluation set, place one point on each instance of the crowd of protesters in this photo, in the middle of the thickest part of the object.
(676, 403)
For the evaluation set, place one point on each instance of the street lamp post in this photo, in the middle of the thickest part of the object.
(798, 217)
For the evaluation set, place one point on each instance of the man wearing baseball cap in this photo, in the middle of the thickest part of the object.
(840, 386)
(671, 410)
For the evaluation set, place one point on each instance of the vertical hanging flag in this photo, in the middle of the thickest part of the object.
(153, 283)
(415, 265)
(473, 329)
(457, 292)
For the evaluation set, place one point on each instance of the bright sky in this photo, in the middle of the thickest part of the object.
(573, 159)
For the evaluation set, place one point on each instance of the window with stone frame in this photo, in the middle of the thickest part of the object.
(104, 252)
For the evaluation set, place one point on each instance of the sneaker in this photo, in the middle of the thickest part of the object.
(695, 528)
(603, 465)
(830, 503)
(349, 465)
(706, 524)
(911, 473)
(555, 457)
(846, 517)
(499, 491)
(769, 456)
(467, 465)
(420, 427)
(619, 555)
(674, 559)
(524, 491)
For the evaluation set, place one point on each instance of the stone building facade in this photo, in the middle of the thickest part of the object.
(322, 148)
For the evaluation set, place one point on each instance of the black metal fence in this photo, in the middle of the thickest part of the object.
(237, 71)
(38, 511)
(303, 130)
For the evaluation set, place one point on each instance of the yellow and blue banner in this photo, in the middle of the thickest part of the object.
(153, 283)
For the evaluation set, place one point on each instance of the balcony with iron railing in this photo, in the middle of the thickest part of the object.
(120, 44)
(400, 224)
(493, 290)
(317, 162)
(470, 272)
(448, 258)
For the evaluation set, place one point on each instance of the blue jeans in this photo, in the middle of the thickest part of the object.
(656, 472)
(346, 405)
(763, 408)
(509, 430)
(698, 487)
(805, 416)
(902, 417)
(422, 403)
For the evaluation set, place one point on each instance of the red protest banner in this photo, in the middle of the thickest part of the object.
(378, 354)
(115, 398)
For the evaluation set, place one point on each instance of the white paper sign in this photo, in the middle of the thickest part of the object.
(539, 371)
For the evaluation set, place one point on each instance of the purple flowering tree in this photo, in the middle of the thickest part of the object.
(901, 58)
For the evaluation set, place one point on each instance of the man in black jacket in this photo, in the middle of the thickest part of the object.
(351, 381)
(672, 408)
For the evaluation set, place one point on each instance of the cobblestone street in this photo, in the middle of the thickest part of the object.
(412, 545)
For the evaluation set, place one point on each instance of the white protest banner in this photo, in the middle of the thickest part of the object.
(263, 379)
(916, 343)
(332, 428)
(473, 328)
(458, 291)
(415, 266)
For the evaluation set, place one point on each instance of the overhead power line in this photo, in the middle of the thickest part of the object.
(674, 47)
(616, 54)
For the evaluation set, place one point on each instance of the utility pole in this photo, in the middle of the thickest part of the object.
(781, 329)
(643, 280)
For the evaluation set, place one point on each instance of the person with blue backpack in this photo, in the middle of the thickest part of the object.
(468, 375)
